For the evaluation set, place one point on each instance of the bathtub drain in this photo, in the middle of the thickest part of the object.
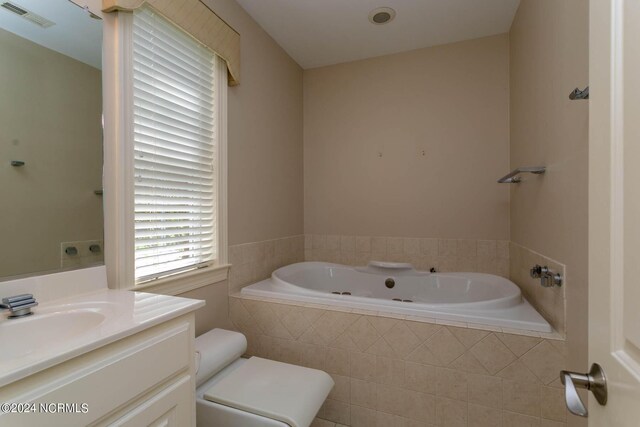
(401, 300)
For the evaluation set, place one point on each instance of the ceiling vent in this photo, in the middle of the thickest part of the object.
(28, 15)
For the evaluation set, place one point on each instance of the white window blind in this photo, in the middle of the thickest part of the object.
(175, 149)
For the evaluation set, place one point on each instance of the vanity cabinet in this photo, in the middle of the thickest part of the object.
(146, 379)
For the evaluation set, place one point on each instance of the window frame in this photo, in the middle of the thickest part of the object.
(119, 170)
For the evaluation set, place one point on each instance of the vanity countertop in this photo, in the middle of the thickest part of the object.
(62, 329)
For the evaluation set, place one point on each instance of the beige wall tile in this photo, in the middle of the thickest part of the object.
(395, 245)
(363, 366)
(411, 246)
(521, 397)
(312, 314)
(337, 361)
(451, 384)
(429, 247)
(550, 302)
(341, 391)
(518, 344)
(401, 339)
(362, 417)
(312, 337)
(517, 371)
(487, 249)
(319, 422)
(333, 323)
(468, 337)
(512, 419)
(347, 243)
(390, 371)
(485, 390)
(544, 361)
(382, 324)
(390, 399)
(332, 243)
(420, 377)
(466, 248)
(338, 412)
(363, 258)
(313, 356)
(552, 404)
(363, 393)
(423, 330)
(379, 245)
(423, 355)
(319, 242)
(417, 390)
(418, 406)
(451, 413)
(492, 354)
(483, 416)
(502, 249)
(467, 264)
(389, 420)
(362, 333)
(382, 348)
(295, 322)
(343, 341)
(445, 346)
(447, 247)
(469, 364)
(549, 423)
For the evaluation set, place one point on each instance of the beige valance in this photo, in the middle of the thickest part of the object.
(199, 21)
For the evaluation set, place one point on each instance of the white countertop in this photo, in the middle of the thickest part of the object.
(101, 317)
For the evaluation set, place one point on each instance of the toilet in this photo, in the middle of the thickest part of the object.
(236, 392)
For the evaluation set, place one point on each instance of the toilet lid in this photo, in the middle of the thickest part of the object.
(280, 391)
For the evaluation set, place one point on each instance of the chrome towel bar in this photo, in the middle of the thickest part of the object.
(512, 178)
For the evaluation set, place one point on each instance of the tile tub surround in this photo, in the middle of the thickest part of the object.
(397, 371)
(252, 262)
(550, 302)
(464, 255)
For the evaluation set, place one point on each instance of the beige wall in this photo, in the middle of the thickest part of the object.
(367, 124)
(265, 136)
(265, 154)
(50, 118)
(216, 313)
(549, 57)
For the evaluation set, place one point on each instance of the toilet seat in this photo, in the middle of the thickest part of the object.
(275, 390)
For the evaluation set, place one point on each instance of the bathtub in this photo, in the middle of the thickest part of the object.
(472, 298)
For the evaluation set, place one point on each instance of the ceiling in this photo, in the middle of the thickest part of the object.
(74, 34)
(324, 32)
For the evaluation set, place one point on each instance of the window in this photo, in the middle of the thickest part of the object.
(176, 148)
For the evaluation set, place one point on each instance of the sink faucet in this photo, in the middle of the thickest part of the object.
(19, 305)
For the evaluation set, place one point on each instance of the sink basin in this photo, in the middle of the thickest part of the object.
(42, 331)
(62, 329)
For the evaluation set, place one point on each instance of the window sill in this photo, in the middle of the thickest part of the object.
(185, 282)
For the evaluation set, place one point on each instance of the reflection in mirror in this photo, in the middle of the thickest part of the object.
(50, 137)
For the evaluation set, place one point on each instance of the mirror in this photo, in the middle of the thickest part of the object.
(51, 216)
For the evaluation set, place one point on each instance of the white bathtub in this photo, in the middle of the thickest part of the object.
(397, 288)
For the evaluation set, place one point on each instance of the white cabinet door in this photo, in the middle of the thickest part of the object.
(172, 407)
(614, 208)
